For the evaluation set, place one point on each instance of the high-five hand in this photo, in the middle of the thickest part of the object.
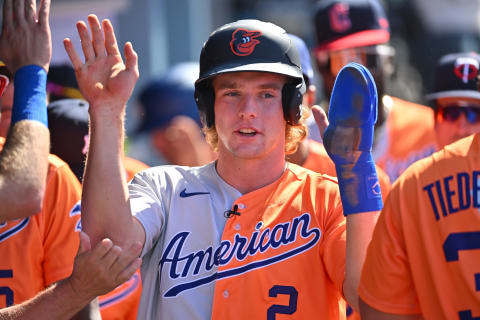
(26, 37)
(104, 79)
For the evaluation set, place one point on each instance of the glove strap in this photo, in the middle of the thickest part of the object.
(359, 186)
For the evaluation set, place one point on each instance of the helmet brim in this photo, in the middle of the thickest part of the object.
(277, 68)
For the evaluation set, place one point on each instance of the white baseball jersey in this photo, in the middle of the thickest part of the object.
(283, 256)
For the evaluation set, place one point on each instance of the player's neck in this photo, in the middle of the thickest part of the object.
(247, 175)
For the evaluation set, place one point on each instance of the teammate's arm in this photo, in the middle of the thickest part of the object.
(95, 272)
(369, 313)
(348, 140)
(107, 83)
(25, 47)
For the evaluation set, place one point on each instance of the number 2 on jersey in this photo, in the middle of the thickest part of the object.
(6, 291)
(454, 243)
(281, 309)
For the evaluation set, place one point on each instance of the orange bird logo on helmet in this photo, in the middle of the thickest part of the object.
(243, 41)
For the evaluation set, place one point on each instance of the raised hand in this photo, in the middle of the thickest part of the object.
(104, 79)
(26, 37)
(348, 138)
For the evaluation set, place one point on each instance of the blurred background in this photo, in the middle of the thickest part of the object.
(167, 32)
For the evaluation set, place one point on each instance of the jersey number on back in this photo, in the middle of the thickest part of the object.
(454, 243)
(6, 291)
(280, 309)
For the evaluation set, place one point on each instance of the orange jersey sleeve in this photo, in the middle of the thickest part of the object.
(319, 161)
(39, 250)
(425, 250)
(291, 243)
(122, 303)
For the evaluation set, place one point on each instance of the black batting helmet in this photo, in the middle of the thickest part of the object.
(250, 45)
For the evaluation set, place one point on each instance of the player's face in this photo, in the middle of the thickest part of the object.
(249, 115)
(456, 119)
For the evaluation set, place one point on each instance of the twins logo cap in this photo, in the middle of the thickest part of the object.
(343, 24)
(456, 75)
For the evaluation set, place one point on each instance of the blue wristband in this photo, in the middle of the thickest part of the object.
(30, 96)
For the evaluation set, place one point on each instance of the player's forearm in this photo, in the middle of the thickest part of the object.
(359, 234)
(23, 170)
(105, 207)
(56, 302)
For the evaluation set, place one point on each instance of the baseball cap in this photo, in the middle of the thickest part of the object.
(304, 54)
(456, 75)
(68, 125)
(342, 24)
(169, 96)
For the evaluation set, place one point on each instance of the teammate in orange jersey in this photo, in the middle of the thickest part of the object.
(68, 122)
(445, 208)
(246, 236)
(96, 271)
(423, 258)
(358, 31)
(311, 154)
(25, 45)
(37, 248)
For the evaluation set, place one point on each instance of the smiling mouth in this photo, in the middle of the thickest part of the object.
(247, 132)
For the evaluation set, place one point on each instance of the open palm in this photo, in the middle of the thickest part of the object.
(104, 79)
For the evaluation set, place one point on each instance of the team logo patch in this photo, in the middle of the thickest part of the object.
(373, 187)
(466, 69)
(339, 16)
(244, 41)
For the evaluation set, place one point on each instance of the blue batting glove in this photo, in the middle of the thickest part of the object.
(348, 138)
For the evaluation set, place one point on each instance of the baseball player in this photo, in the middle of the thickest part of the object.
(428, 233)
(455, 99)
(37, 248)
(170, 131)
(68, 124)
(423, 258)
(25, 47)
(311, 154)
(249, 235)
(96, 271)
(358, 31)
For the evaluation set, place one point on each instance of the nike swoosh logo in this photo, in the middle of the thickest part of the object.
(185, 194)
